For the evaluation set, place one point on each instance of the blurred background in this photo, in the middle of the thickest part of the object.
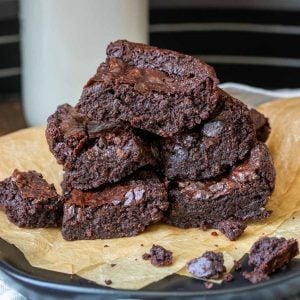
(49, 48)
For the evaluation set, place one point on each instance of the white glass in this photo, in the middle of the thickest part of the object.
(63, 42)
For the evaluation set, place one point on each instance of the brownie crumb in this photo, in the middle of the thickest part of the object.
(208, 266)
(214, 233)
(159, 256)
(208, 285)
(228, 277)
(105, 246)
(232, 229)
(256, 276)
(216, 245)
(108, 282)
(113, 265)
(142, 245)
(237, 265)
(268, 255)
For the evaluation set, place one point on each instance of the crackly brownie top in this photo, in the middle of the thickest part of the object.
(162, 67)
(257, 167)
(32, 186)
(128, 192)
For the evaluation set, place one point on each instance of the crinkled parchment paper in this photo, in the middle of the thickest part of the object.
(45, 248)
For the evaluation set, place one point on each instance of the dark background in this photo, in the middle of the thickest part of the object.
(252, 42)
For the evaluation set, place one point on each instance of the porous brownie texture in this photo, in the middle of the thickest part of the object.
(232, 229)
(261, 124)
(94, 153)
(212, 148)
(240, 195)
(208, 266)
(269, 254)
(158, 90)
(29, 201)
(118, 210)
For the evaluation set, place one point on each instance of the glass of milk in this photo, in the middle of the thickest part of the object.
(64, 41)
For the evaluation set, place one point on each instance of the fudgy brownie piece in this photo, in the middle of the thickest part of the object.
(29, 201)
(159, 256)
(262, 125)
(118, 210)
(271, 253)
(256, 276)
(208, 266)
(93, 153)
(232, 229)
(158, 90)
(240, 195)
(212, 148)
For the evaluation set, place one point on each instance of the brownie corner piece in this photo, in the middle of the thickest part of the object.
(29, 201)
(123, 209)
(261, 124)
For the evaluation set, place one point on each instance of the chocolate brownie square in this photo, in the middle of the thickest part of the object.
(239, 195)
(261, 124)
(157, 90)
(212, 148)
(93, 153)
(118, 210)
(29, 201)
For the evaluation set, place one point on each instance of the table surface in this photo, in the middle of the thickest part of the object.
(11, 116)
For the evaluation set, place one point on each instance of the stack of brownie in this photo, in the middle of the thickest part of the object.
(152, 139)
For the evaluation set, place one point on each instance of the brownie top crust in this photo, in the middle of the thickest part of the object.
(168, 65)
(128, 192)
(32, 186)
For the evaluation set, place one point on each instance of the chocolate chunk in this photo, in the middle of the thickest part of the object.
(159, 256)
(208, 266)
(232, 229)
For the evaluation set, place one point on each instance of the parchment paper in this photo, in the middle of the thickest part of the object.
(45, 248)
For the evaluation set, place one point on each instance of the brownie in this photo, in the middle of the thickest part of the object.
(29, 201)
(158, 90)
(212, 148)
(240, 195)
(116, 210)
(262, 125)
(93, 153)
(208, 266)
(269, 254)
(159, 256)
(232, 229)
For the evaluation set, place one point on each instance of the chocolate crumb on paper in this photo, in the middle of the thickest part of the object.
(159, 256)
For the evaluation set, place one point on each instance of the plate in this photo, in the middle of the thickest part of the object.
(35, 283)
